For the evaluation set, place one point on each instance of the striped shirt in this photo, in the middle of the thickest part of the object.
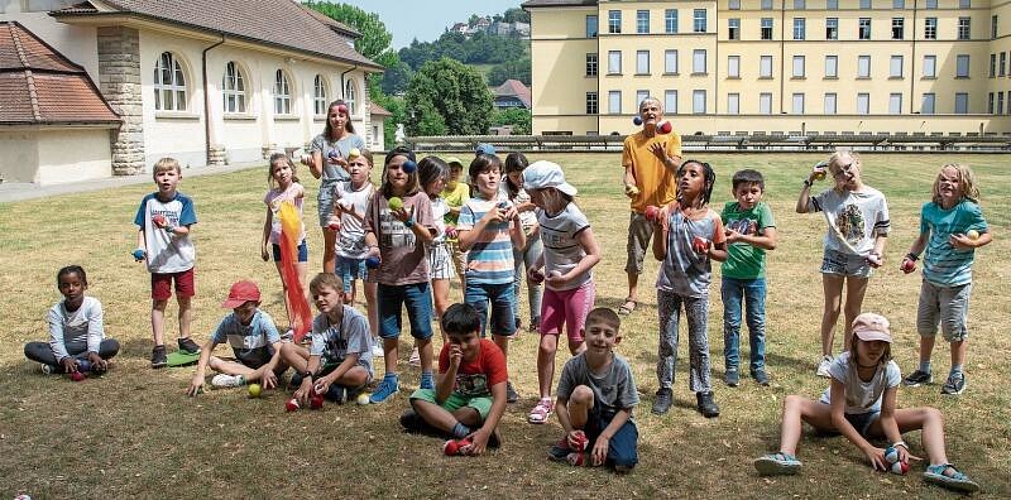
(943, 265)
(490, 258)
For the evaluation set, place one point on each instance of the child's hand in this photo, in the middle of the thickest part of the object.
(69, 364)
(818, 172)
(159, 221)
(908, 265)
(732, 236)
(599, 453)
(403, 214)
(877, 458)
(496, 215)
(334, 223)
(700, 245)
(875, 259)
(455, 356)
(269, 379)
(304, 392)
(322, 385)
(535, 274)
(556, 279)
(196, 386)
(479, 442)
(264, 253)
(961, 242)
(98, 365)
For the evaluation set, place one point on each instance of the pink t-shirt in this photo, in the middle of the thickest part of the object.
(273, 199)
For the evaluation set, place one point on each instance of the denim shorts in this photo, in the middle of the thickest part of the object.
(324, 201)
(862, 421)
(303, 252)
(623, 449)
(349, 270)
(503, 317)
(845, 264)
(416, 298)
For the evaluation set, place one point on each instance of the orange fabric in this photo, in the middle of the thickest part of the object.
(657, 184)
(291, 229)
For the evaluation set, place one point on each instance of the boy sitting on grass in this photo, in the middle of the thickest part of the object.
(470, 392)
(595, 398)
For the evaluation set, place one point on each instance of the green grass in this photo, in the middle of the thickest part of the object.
(134, 433)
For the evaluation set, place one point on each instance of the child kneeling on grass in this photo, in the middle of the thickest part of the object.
(254, 340)
(860, 404)
(338, 364)
(470, 392)
(595, 398)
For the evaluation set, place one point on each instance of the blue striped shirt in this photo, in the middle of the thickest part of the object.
(490, 258)
(943, 265)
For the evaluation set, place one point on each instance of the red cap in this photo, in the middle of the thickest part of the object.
(241, 292)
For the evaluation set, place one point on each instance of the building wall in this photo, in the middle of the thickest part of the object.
(53, 156)
(558, 68)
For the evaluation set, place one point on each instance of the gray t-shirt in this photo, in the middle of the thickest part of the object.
(861, 397)
(320, 143)
(613, 390)
(83, 325)
(562, 250)
(334, 342)
(351, 239)
(684, 271)
(859, 216)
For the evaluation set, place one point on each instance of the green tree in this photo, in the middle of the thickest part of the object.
(517, 70)
(395, 105)
(518, 118)
(516, 14)
(375, 37)
(448, 96)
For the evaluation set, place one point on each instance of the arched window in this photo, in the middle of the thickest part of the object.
(319, 95)
(169, 84)
(349, 97)
(282, 94)
(233, 89)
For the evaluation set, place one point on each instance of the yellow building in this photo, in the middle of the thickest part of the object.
(801, 66)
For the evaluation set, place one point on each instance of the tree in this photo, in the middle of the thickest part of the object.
(446, 97)
(396, 78)
(375, 37)
(517, 70)
(518, 118)
(516, 14)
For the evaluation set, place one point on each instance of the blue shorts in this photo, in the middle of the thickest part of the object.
(503, 316)
(303, 252)
(862, 421)
(416, 298)
(623, 449)
(349, 270)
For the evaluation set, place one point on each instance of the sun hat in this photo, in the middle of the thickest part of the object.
(870, 326)
(452, 160)
(484, 149)
(545, 174)
(241, 292)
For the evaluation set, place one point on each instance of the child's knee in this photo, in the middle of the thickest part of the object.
(582, 395)
(793, 403)
(159, 304)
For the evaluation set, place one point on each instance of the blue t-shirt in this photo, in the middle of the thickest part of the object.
(490, 258)
(334, 342)
(252, 344)
(167, 252)
(943, 265)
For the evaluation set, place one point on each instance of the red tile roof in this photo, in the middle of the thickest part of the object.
(514, 88)
(38, 86)
(279, 23)
(375, 109)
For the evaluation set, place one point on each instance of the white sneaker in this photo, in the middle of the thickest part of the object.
(48, 369)
(826, 362)
(415, 359)
(222, 380)
(377, 352)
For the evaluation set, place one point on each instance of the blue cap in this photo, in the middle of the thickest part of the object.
(484, 149)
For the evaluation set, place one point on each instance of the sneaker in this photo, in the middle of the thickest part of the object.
(415, 359)
(777, 464)
(732, 377)
(511, 395)
(158, 357)
(826, 362)
(761, 378)
(388, 387)
(542, 412)
(337, 393)
(560, 451)
(377, 351)
(706, 405)
(955, 384)
(664, 400)
(947, 476)
(918, 378)
(222, 381)
(187, 344)
(427, 381)
(49, 369)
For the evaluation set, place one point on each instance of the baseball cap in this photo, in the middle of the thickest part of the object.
(870, 326)
(484, 149)
(545, 174)
(452, 160)
(241, 292)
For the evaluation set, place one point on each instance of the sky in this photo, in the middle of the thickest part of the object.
(427, 19)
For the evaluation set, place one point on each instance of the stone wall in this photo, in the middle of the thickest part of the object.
(120, 83)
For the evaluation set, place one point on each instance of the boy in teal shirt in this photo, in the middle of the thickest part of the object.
(751, 231)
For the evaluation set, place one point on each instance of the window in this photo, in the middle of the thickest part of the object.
(1000, 103)
(863, 66)
(895, 67)
(993, 27)
(319, 101)
(699, 61)
(962, 66)
(233, 89)
(930, 4)
(964, 4)
(733, 66)
(831, 66)
(798, 104)
(733, 104)
(282, 93)
(961, 103)
(832, 5)
(642, 21)
(670, 21)
(832, 28)
(642, 62)
(670, 102)
(699, 102)
(799, 28)
(930, 66)
(963, 27)
(591, 103)
(614, 62)
(765, 103)
(670, 61)
(895, 104)
(993, 65)
(350, 98)
(640, 95)
(591, 26)
(865, 28)
(766, 28)
(989, 103)
(1002, 69)
(799, 4)
(614, 21)
(733, 29)
(865, 5)
(169, 84)
(898, 4)
(798, 67)
(614, 102)
(830, 104)
(863, 103)
(898, 28)
(766, 4)
(927, 107)
(734, 5)
(591, 64)
(930, 28)
(699, 24)
(765, 67)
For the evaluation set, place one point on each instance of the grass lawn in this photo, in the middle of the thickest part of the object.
(134, 433)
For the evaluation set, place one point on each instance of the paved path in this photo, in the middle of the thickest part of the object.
(18, 191)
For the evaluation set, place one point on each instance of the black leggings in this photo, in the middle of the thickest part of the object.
(41, 352)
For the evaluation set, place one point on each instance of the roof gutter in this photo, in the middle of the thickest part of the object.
(207, 99)
(343, 85)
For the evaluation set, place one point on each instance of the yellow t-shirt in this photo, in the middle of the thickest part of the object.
(657, 184)
(455, 198)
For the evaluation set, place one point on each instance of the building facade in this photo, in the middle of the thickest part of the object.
(791, 66)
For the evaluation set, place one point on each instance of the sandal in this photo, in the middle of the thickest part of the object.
(947, 476)
(628, 307)
(541, 412)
